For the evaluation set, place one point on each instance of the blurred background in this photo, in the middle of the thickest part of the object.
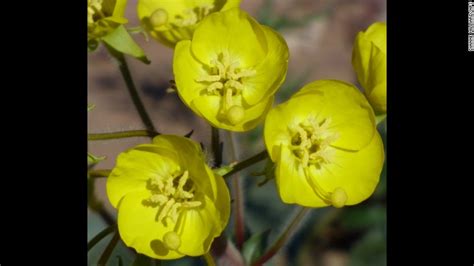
(320, 35)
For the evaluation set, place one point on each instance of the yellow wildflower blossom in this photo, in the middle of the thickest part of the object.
(369, 58)
(170, 21)
(230, 70)
(325, 146)
(170, 203)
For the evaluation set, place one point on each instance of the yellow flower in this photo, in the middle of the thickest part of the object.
(170, 203)
(369, 58)
(325, 146)
(230, 70)
(103, 16)
(171, 21)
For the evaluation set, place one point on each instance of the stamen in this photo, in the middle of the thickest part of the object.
(183, 180)
(310, 143)
(192, 16)
(165, 210)
(337, 198)
(157, 182)
(171, 195)
(191, 204)
(209, 78)
(173, 213)
(315, 186)
(214, 88)
(244, 74)
(227, 99)
(158, 198)
(235, 84)
(224, 79)
(311, 140)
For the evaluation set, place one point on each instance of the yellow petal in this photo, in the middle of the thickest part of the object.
(233, 32)
(292, 184)
(209, 107)
(256, 114)
(133, 168)
(377, 83)
(190, 157)
(357, 173)
(173, 8)
(369, 62)
(119, 9)
(170, 31)
(197, 229)
(276, 129)
(186, 70)
(377, 33)
(271, 72)
(351, 115)
(222, 203)
(139, 230)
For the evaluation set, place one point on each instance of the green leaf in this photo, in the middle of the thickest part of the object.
(255, 246)
(222, 170)
(90, 107)
(92, 159)
(120, 261)
(121, 41)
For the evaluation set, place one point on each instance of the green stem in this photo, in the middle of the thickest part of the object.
(275, 247)
(216, 146)
(247, 162)
(209, 259)
(108, 250)
(96, 239)
(99, 173)
(123, 134)
(133, 90)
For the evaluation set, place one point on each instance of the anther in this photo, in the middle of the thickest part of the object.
(165, 210)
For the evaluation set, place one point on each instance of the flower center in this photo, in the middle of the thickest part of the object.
(310, 143)
(171, 195)
(225, 79)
